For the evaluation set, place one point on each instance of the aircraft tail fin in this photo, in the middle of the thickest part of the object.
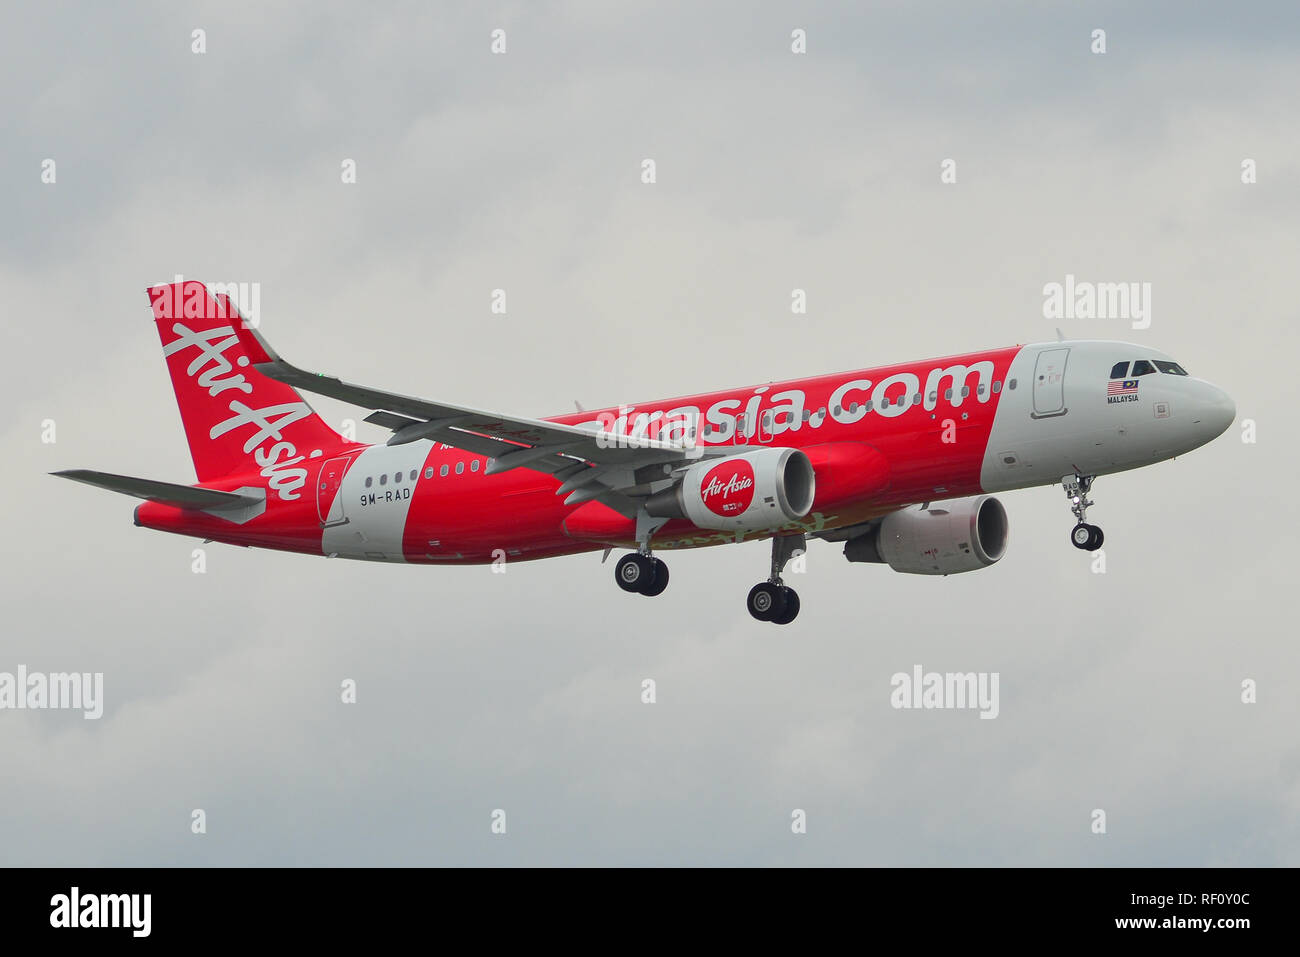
(236, 419)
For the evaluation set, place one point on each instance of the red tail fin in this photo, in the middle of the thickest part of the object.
(236, 420)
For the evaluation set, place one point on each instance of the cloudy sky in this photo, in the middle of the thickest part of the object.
(476, 691)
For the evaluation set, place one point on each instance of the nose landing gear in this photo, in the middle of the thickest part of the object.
(773, 600)
(1084, 536)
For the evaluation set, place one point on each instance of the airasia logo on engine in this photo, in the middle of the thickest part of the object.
(729, 488)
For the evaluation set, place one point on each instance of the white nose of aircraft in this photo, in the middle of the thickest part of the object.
(1212, 411)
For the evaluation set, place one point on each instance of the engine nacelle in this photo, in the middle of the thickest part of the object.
(756, 490)
(942, 539)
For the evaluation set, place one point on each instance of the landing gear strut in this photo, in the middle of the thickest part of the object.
(641, 572)
(773, 600)
(1084, 536)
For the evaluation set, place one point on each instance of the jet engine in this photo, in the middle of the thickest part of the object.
(756, 490)
(940, 538)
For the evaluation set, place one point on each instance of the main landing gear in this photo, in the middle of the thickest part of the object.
(1084, 536)
(773, 600)
(640, 573)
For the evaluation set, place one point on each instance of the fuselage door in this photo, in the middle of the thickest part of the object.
(1049, 383)
(329, 503)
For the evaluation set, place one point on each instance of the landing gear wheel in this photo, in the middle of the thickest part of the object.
(766, 601)
(1087, 537)
(633, 572)
(659, 582)
(791, 607)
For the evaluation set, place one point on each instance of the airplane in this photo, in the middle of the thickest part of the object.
(897, 462)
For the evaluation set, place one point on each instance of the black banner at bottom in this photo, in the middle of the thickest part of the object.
(90, 907)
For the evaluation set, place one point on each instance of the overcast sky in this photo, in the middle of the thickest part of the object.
(477, 691)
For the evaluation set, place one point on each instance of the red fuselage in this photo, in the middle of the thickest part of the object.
(876, 438)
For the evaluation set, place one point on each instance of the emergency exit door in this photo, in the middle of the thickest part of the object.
(329, 503)
(1049, 383)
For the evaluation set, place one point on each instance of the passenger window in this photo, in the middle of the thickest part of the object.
(414, 473)
(428, 473)
(947, 394)
(997, 387)
(473, 466)
(1011, 384)
(442, 472)
(460, 468)
(397, 478)
(1142, 367)
(369, 481)
(965, 391)
(1119, 370)
(383, 479)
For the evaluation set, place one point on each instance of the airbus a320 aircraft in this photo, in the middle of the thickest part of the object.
(896, 462)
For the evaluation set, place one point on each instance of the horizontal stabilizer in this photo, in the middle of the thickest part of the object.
(165, 493)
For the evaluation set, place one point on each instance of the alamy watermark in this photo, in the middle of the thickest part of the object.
(1080, 299)
(127, 911)
(955, 690)
(211, 300)
(53, 691)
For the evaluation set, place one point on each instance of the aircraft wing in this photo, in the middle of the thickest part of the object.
(591, 465)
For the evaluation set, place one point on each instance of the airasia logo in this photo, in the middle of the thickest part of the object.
(729, 488)
(215, 373)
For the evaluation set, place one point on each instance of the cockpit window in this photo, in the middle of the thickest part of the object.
(1119, 370)
(1142, 367)
(1170, 368)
